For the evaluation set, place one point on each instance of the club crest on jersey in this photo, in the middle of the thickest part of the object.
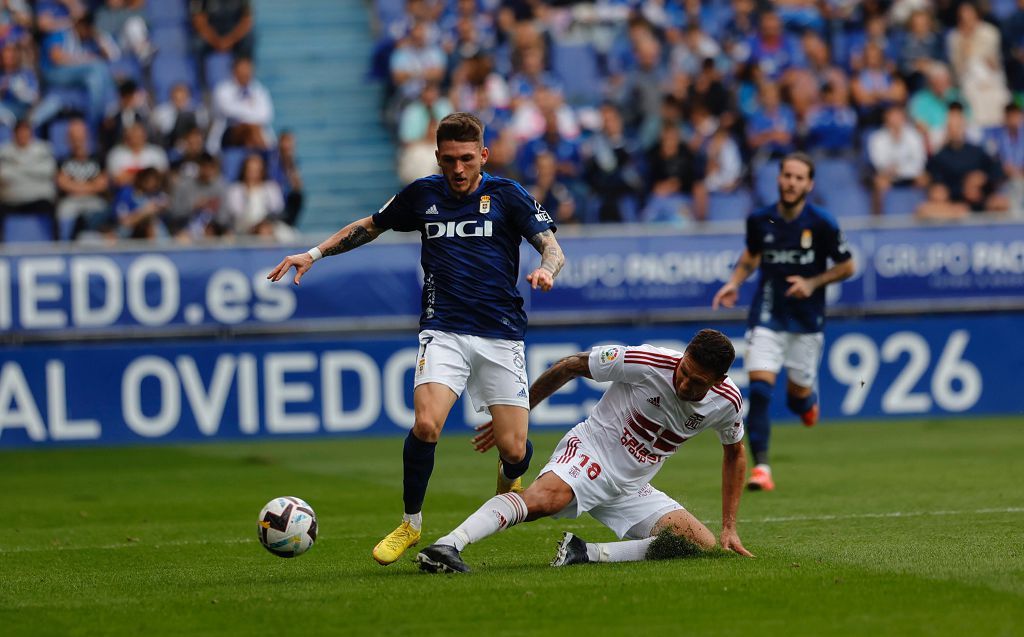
(609, 354)
(485, 204)
(805, 239)
(693, 421)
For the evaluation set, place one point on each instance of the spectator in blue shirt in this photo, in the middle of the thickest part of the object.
(772, 49)
(138, 208)
(875, 86)
(1010, 144)
(922, 45)
(832, 125)
(19, 92)
(772, 127)
(66, 63)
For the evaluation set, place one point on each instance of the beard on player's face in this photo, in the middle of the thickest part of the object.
(792, 196)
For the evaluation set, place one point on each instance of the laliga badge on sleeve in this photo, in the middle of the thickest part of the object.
(485, 204)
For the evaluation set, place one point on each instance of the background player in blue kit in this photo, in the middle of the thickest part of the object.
(790, 242)
(473, 323)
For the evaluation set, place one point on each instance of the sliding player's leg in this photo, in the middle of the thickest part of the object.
(568, 485)
(642, 517)
(548, 495)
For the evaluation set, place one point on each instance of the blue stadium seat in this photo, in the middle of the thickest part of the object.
(170, 39)
(576, 67)
(217, 68)
(389, 11)
(126, 67)
(231, 160)
(838, 183)
(902, 201)
(766, 183)
(169, 70)
(165, 12)
(27, 227)
(730, 206)
(74, 99)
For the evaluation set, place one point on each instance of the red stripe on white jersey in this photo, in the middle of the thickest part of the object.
(570, 450)
(640, 352)
(652, 358)
(640, 361)
(729, 397)
(731, 390)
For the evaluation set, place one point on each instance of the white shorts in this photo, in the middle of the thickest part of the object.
(768, 350)
(493, 369)
(633, 515)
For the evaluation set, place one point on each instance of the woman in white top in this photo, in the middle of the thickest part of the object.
(254, 203)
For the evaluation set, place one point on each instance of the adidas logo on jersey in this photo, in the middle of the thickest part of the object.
(432, 210)
(655, 400)
(522, 393)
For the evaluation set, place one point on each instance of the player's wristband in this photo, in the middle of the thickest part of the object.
(315, 254)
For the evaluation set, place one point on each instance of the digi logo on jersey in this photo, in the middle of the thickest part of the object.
(451, 229)
(789, 257)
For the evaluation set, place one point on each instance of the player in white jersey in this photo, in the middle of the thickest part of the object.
(658, 399)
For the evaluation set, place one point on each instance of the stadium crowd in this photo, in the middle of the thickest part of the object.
(135, 119)
(674, 110)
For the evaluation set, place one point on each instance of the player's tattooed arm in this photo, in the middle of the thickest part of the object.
(746, 266)
(551, 257)
(559, 374)
(351, 237)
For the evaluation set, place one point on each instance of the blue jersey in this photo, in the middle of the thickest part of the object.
(800, 247)
(470, 254)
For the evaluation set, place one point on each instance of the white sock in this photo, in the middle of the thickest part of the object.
(625, 551)
(415, 520)
(498, 513)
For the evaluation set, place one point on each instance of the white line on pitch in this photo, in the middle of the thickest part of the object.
(892, 514)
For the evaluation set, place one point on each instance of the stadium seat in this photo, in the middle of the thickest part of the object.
(216, 68)
(231, 160)
(170, 39)
(126, 67)
(848, 199)
(766, 183)
(27, 227)
(73, 99)
(730, 206)
(902, 201)
(166, 12)
(389, 11)
(576, 67)
(169, 70)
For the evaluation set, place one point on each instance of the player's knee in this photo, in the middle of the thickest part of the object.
(513, 451)
(427, 430)
(542, 502)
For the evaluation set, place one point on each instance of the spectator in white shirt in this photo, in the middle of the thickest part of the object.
(253, 204)
(724, 164)
(132, 155)
(897, 154)
(242, 111)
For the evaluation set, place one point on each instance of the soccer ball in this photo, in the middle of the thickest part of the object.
(287, 527)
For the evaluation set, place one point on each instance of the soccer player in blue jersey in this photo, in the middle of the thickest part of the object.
(472, 324)
(790, 243)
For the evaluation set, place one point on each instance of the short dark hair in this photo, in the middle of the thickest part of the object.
(803, 158)
(713, 351)
(460, 127)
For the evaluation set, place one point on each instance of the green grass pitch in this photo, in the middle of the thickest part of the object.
(880, 528)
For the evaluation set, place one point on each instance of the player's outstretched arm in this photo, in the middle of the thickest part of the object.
(548, 383)
(348, 238)
(734, 467)
(730, 292)
(551, 260)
